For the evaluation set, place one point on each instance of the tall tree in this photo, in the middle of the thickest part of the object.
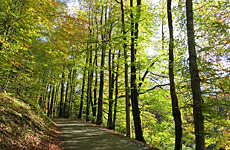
(96, 78)
(195, 80)
(111, 83)
(72, 90)
(82, 90)
(116, 91)
(66, 94)
(127, 90)
(62, 94)
(89, 87)
(50, 110)
(175, 106)
(134, 92)
(103, 48)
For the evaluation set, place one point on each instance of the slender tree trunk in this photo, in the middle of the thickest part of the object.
(55, 100)
(62, 94)
(100, 99)
(89, 88)
(95, 89)
(49, 96)
(66, 95)
(44, 98)
(111, 85)
(134, 92)
(82, 92)
(195, 80)
(127, 91)
(116, 92)
(101, 91)
(51, 102)
(88, 96)
(94, 107)
(72, 85)
(175, 106)
(111, 88)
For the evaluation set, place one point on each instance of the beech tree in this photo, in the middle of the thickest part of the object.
(175, 106)
(195, 80)
(134, 92)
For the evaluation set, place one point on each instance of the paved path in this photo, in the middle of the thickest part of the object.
(80, 136)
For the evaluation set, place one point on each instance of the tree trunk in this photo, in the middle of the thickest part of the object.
(175, 106)
(95, 89)
(82, 92)
(101, 91)
(62, 94)
(127, 91)
(72, 85)
(66, 95)
(89, 87)
(94, 107)
(195, 80)
(134, 93)
(50, 114)
(111, 84)
(55, 100)
(116, 92)
(49, 96)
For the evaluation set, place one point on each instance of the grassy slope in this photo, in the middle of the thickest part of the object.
(24, 126)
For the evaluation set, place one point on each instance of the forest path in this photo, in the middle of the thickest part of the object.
(82, 136)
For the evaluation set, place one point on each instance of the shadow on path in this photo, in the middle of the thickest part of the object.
(80, 136)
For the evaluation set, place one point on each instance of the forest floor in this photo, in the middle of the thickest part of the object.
(23, 126)
(85, 136)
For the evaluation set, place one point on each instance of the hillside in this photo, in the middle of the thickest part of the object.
(24, 126)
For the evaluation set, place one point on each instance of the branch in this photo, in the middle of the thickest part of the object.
(146, 72)
(123, 96)
(118, 2)
(159, 75)
(154, 88)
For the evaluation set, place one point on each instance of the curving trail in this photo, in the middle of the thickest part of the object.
(81, 136)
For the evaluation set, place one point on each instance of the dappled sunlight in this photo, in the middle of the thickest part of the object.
(77, 135)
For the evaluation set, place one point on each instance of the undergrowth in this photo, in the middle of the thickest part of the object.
(22, 124)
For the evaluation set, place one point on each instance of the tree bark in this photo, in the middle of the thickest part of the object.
(50, 111)
(195, 80)
(111, 82)
(72, 87)
(49, 90)
(101, 91)
(82, 92)
(66, 95)
(89, 88)
(175, 106)
(134, 92)
(127, 90)
(62, 94)
(55, 99)
(110, 114)
(116, 92)
(96, 77)
(95, 89)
